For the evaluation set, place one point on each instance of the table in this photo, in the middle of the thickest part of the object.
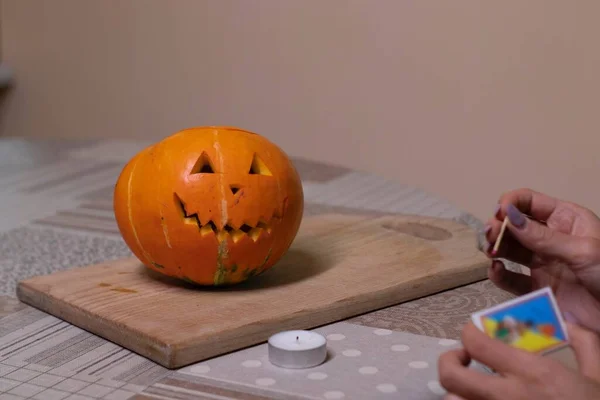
(56, 208)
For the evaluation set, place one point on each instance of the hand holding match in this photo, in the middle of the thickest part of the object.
(505, 223)
(502, 230)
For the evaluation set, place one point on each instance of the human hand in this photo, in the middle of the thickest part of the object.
(521, 375)
(563, 252)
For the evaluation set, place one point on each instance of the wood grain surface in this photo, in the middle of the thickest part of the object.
(339, 266)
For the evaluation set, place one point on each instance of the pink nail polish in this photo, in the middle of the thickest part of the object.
(497, 266)
(515, 216)
(569, 317)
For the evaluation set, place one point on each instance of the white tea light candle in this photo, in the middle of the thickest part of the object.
(297, 349)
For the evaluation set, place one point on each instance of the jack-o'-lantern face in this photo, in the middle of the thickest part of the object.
(250, 199)
(210, 205)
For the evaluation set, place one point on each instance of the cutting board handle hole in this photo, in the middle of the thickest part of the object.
(422, 231)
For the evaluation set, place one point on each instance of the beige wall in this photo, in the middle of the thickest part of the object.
(463, 98)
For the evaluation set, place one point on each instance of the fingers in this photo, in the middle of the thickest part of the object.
(548, 242)
(496, 354)
(452, 396)
(527, 241)
(462, 382)
(510, 249)
(537, 205)
(517, 284)
(586, 346)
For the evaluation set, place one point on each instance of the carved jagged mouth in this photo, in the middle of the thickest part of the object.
(236, 233)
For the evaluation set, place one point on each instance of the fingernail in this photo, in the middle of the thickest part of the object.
(487, 230)
(569, 317)
(515, 216)
(496, 210)
(496, 267)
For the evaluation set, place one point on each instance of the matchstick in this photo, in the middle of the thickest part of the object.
(497, 245)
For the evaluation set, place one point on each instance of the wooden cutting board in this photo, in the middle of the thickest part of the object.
(339, 266)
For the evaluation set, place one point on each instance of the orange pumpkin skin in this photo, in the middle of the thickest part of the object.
(209, 205)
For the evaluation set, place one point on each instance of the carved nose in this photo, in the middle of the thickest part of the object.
(234, 189)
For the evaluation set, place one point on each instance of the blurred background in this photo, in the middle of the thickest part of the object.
(465, 99)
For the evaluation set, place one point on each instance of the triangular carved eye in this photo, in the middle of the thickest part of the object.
(203, 165)
(234, 189)
(258, 167)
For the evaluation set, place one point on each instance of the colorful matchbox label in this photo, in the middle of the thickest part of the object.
(531, 322)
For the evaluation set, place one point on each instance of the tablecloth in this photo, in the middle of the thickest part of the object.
(56, 209)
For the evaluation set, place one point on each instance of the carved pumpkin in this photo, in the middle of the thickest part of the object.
(210, 205)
